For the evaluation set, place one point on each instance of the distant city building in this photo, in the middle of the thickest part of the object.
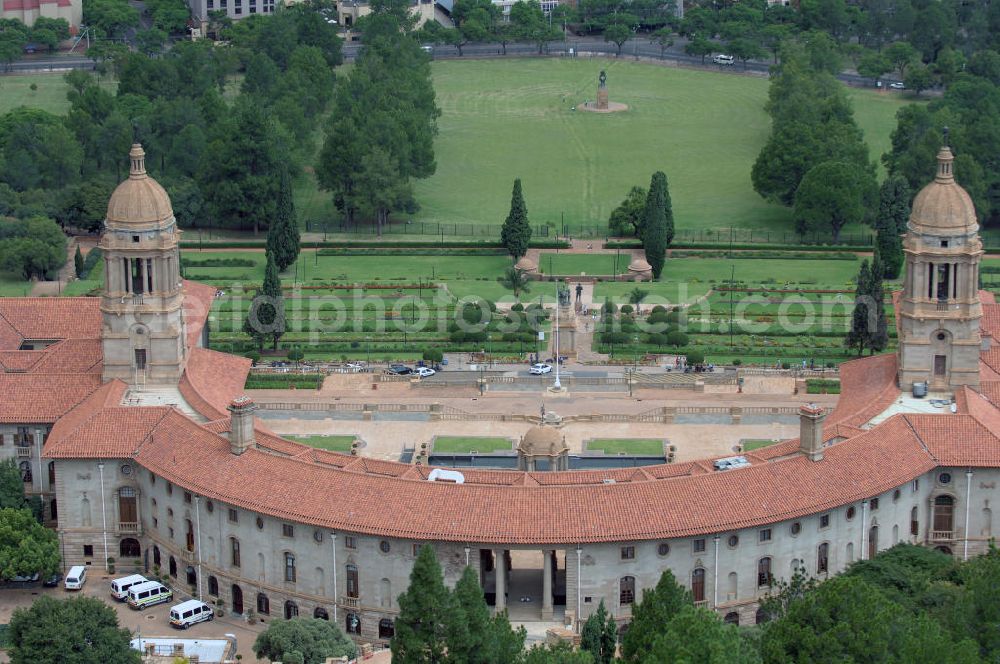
(27, 11)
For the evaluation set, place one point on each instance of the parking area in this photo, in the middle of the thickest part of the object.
(152, 622)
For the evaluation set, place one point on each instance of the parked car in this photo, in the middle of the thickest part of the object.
(425, 372)
(539, 369)
(53, 580)
(400, 370)
(188, 613)
(24, 580)
(355, 367)
(896, 85)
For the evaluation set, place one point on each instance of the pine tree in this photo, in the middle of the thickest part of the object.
(599, 635)
(516, 232)
(474, 637)
(859, 335)
(890, 224)
(78, 263)
(283, 240)
(266, 318)
(656, 232)
(425, 612)
(650, 614)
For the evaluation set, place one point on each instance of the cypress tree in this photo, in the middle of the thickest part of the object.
(878, 335)
(516, 232)
(283, 239)
(649, 615)
(890, 224)
(78, 263)
(859, 334)
(599, 635)
(425, 612)
(266, 318)
(656, 232)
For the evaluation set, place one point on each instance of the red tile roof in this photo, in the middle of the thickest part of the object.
(198, 299)
(36, 398)
(49, 318)
(211, 380)
(990, 322)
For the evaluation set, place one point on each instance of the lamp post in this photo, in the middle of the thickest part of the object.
(104, 515)
(557, 384)
(369, 340)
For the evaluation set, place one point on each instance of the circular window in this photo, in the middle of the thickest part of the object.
(260, 523)
(944, 478)
(210, 506)
(895, 495)
(733, 540)
(383, 546)
(796, 528)
(663, 549)
(318, 535)
(126, 469)
(941, 336)
(850, 513)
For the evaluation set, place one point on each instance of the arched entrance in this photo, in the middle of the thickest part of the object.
(291, 610)
(872, 542)
(321, 613)
(129, 548)
(173, 567)
(191, 575)
(237, 599)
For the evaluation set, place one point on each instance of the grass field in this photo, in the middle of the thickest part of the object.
(465, 444)
(323, 442)
(750, 444)
(643, 446)
(703, 129)
(15, 90)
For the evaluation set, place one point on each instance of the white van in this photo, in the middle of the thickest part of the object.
(75, 577)
(723, 59)
(147, 594)
(190, 612)
(119, 587)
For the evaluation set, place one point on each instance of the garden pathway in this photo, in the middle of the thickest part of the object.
(66, 274)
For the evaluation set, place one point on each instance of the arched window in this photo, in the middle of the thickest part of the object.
(386, 629)
(189, 534)
(213, 586)
(385, 593)
(760, 617)
(291, 610)
(25, 467)
(191, 575)
(85, 511)
(128, 510)
(850, 552)
(289, 567)
(823, 558)
(352, 581)
(353, 622)
(52, 473)
(129, 548)
(944, 512)
(872, 542)
(626, 590)
(732, 618)
(156, 555)
(764, 571)
(173, 567)
(263, 604)
(698, 584)
(53, 512)
(895, 534)
(320, 612)
(732, 586)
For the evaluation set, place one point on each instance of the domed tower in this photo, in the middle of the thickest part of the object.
(939, 340)
(143, 332)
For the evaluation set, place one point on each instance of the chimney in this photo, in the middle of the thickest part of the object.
(241, 424)
(811, 419)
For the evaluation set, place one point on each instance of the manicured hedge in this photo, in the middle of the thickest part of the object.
(279, 381)
(394, 244)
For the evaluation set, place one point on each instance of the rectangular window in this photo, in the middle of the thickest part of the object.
(289, 568)
(187, 497)
(170, 532)
(156, 522)
(287, 530)
(764, 535)
(351, 543)
(88, 550)
(699, 546)
(233, 516)
(915, 486)
(874, 504)
(628, 553)
(824, 521)
(211, 4)
(416, 549)
(234, 552)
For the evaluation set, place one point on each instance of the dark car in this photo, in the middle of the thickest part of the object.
(53, 580)
(400, 370)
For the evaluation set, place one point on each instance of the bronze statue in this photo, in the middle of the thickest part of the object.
(603, 79)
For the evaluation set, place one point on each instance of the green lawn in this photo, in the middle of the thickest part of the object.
(12, 286)
(503, 119)
(661, 292)
(750, 444)
(15, 90)
(324, 442)
(465, 444)
(590, 264)
(643, 446)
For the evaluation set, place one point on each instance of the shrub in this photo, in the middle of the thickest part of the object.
(433, 355)
(253, 356)
(695, 357)
(627, 309)
(737, 362)
(658, 339)
(517, 307)
(677, 338)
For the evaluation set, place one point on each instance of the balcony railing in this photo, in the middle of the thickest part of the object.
(942, 535)
(23, 451)
(128, 527)
(702, 603)
(350, 602)
(942, 304)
